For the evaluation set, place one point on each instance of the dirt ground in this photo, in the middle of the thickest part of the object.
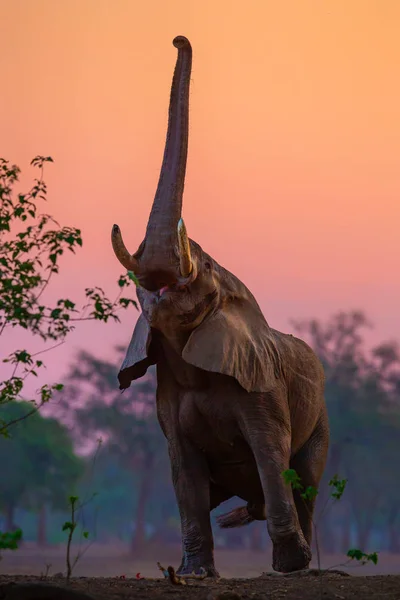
(279, 587)
(108, 572)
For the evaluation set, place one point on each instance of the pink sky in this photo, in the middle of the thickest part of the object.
(293, 179)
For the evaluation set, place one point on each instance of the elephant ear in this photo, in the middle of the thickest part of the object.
(237, 341)
(139, 355)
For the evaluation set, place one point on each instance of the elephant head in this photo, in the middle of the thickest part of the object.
(202, 309)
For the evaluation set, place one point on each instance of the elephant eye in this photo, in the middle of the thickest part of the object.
(207, 265)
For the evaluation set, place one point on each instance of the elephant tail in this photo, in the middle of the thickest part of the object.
(235, 518)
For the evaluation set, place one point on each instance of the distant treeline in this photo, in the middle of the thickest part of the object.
(135, 502)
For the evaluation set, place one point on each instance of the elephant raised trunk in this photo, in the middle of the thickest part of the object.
(164, 256)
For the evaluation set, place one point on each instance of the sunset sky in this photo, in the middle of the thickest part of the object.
(293, 179)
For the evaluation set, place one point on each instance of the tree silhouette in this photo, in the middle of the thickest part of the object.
(363, 399)
(38, 465)
(127, 422)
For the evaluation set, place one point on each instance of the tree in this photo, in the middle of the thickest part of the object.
(31, 245)
(127, 423)
(363, 399)
(39, 466)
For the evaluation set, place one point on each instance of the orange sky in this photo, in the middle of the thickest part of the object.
(293, 178)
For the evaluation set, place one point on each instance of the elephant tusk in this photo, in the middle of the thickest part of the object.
(185, 259)
(125, 258)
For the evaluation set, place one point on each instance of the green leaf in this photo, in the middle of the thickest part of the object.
(85, 534)
(290, 477)
(133, 277)
(355, 554)
(309, 493)
(339, 485)
(359, 555)
(373, 557)
(9, 540)
(125, 302)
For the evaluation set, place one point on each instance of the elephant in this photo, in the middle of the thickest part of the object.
(237, 401)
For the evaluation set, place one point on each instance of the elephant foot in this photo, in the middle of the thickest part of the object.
(197, 567)
(291, 554)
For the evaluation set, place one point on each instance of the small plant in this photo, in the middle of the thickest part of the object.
(44, 574)
(70, 526)
(76, 507)
(362, 557)
(338, 486)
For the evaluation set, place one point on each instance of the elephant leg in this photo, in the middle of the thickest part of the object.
(309, 464)
(270, 444)
(191, 479)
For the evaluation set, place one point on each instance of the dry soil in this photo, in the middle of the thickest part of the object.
(109, 572)
(306, 587)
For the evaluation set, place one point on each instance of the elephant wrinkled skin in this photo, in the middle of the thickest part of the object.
(237, 401)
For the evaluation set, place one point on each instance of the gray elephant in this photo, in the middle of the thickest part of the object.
(238, 402)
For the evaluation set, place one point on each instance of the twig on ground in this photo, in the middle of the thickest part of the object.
(45, 574)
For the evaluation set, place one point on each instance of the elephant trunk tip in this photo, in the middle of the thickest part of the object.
(238, 517)
(115, 229)
(181, 42)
